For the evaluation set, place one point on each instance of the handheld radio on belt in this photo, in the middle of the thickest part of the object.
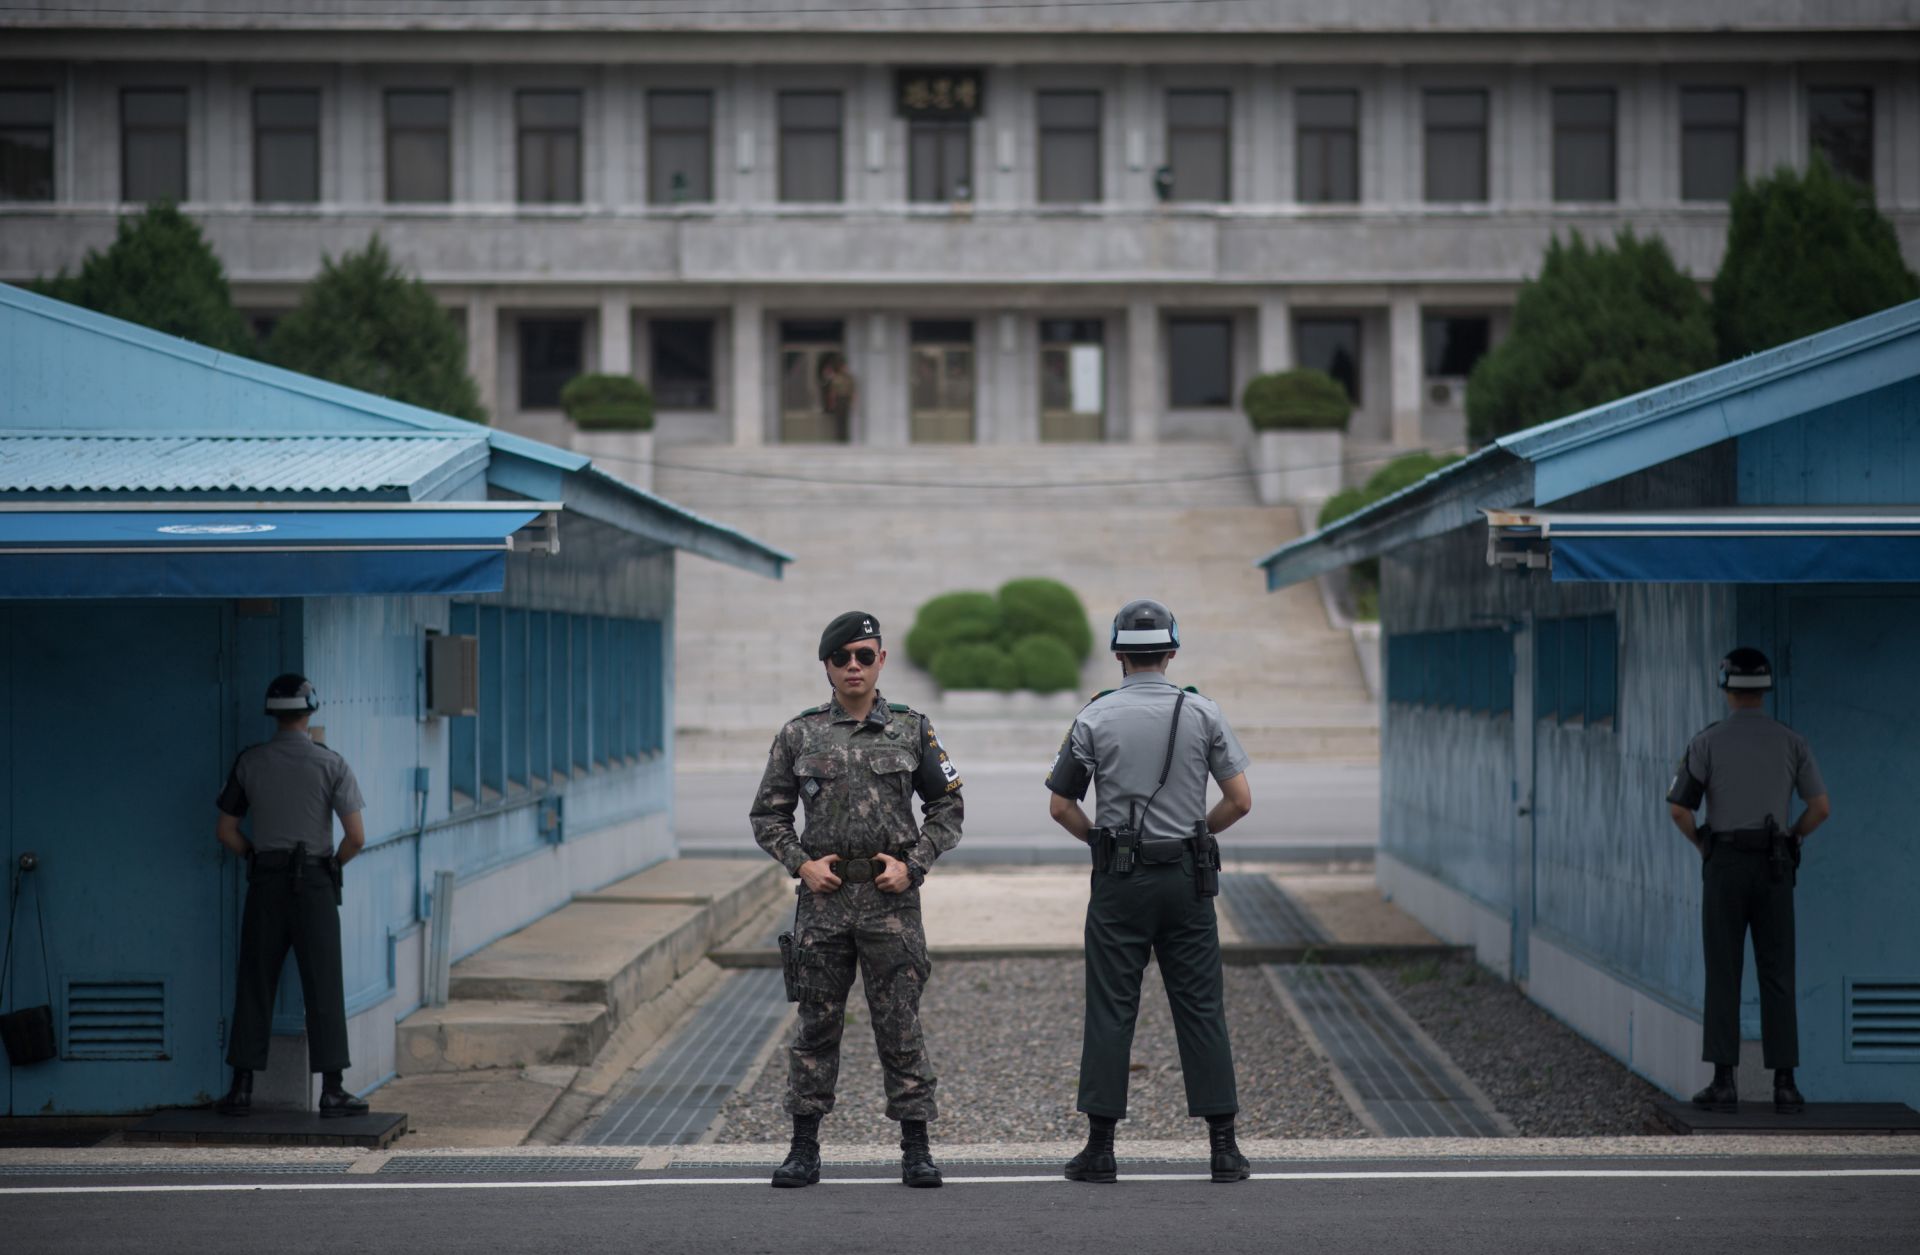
(1125, 839)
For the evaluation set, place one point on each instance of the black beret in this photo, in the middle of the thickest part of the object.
(854, 625)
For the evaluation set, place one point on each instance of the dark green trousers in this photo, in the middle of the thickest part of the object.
(1153, 911)
(1736, 897)
(285, 911)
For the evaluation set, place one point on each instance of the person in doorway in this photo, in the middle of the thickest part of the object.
(1147, 748)
(1746, 768)
(292, 786)
(856, 763)
(836, 393)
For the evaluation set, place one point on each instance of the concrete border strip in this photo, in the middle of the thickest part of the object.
(369, 1163)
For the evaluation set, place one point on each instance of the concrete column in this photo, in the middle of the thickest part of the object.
(1274, 347)
(483, 349)
(616, 334)
(1146, 394)
(1134, 114)
(749, 371)
(1390, 171)
(1403, 346)
(881, 374)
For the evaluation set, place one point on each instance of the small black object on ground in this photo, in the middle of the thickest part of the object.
(1819, 1119)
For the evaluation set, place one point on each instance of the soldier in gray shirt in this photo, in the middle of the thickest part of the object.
(1148, 748)
(1746, 768)
(292, 787)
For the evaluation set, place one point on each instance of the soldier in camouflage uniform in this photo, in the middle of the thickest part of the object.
(855, 763)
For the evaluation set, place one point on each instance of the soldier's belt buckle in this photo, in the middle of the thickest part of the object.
(857, 871)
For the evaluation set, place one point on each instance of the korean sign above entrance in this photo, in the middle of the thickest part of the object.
(935, 94)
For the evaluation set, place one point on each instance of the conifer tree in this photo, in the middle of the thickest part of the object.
(159, 272)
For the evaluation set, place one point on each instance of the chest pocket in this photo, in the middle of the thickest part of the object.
(892, 767)
(815, 774)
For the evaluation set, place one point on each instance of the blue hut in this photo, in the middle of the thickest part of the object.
(1553, 608)
(488, 620)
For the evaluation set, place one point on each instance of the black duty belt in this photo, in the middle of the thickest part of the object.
(860, 869)
(268, 860)
(1160, 850)
(1751, 840)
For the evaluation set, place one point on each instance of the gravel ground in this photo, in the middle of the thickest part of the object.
(1005, 1039)
(1546, 1078)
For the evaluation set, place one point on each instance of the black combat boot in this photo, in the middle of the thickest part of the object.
(1786, 1095)
(1228, 1163)
(1721, 1094)
(1096, 1163)
(916, 1157)
(335, 1102)
(239, 1099)
(803, 1156)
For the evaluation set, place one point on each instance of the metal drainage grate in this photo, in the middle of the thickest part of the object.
(150, 1169)
(466, 1165)
(946, 1161)
(1264, 912)
(1406, 1088)
(673, 1099)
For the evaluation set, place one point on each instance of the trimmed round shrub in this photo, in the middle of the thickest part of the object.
(1296, 400)
(608, 403)
(1340, 505)
(953, 619)
(1046, 665)
(1404, 472)
(975, 665)
(1037, 607)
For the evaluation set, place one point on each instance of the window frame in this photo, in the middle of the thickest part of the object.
(786, 130)
(1354, 387)
(659, 191)
(1302, 131)
(22, 129)
(521, 332)
(1094, 134)
(940, 130)
(1483, 131)
(1814, 144)
(1225, 321)
(662, 398)
(1692, 131)
(524, 131)
(1224, 132)
(184, 129)
(264, 132)
(1564, 130)
(443, 132)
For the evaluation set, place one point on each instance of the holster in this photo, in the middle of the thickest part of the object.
(790, 966)
(1783, 854)
(1205, 848)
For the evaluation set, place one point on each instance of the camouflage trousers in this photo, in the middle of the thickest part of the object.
(857, 926)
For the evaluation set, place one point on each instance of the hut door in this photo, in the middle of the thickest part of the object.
(1522, 796)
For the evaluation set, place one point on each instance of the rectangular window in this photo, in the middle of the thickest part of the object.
(286, 146)
(518, 700)
(939, 161)
(606, 694)
(1479, 668)
(493, 723)
(682, 364)
(1199, 145)
(419, 147)
(679, 147)
(560, 685)
(1500, 650)
(1573, 671)
(1327, 147)
(1331, 345)
(1454, 343)
(463, 750)
(26, 144)
(585, 696)
(1069, 147)
(1546, 669)
(1713, 144)
(653, 675)
(1603, 663)
(539, 700)
(548, 149)
(810, 147)
(1583, 144)
(1199, 362)
(1840, 128)
(1456, 146)
(552, 352)
(153, 144)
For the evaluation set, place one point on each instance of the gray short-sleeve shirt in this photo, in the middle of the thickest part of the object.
(1746, 767)
(293, 787)
(1119, 741)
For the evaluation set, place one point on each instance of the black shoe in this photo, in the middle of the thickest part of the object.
(1228, 1163)
(1721, 1094)
(1096, 1162)
(239, 1099)
(1786, 1095)
(916, 1157)
(336, 1103)
(802, 1166)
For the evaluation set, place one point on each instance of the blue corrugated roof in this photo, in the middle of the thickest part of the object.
(1608, 442)
(35, 463)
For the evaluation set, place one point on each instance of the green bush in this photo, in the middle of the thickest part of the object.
(608, 403)
(1037, 607)
(1363, 577)
(1296, 400)
(1045, 665)
(976, 665)
(953, 619)
(1340, 505)
(1804, 252)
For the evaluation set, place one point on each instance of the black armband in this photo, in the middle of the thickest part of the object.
(1685, 790)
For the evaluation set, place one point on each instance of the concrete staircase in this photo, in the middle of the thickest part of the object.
(884, 529)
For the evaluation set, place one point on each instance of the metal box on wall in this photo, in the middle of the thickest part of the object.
(453, 675)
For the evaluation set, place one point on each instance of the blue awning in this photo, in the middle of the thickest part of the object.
(1867, 545)
(167, 549)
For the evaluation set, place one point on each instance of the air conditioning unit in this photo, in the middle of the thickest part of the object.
(1446, 393)
(453, 675)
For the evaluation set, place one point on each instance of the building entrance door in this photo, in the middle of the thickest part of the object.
(113, 730)
(1073, 379)
(940, 388)
(816, 387)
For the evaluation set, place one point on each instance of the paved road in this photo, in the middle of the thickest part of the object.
(1657, 1206)
(1312, 810)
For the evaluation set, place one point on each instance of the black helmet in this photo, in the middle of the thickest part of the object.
(292, 694)
(1145, 627)
(1746, 670)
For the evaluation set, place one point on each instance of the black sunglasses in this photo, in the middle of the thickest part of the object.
(841, 657)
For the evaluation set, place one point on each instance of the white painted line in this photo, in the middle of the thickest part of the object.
(1580, 1174)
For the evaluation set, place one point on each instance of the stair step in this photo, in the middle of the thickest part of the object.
(466, 1035)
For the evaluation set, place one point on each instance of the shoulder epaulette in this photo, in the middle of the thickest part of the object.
(900, 708)
(1196, 692)
(1097, 696)
(813, 710)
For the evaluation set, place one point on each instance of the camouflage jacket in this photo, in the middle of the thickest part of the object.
(857, 779)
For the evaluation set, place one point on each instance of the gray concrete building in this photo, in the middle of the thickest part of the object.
(1013, 224)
